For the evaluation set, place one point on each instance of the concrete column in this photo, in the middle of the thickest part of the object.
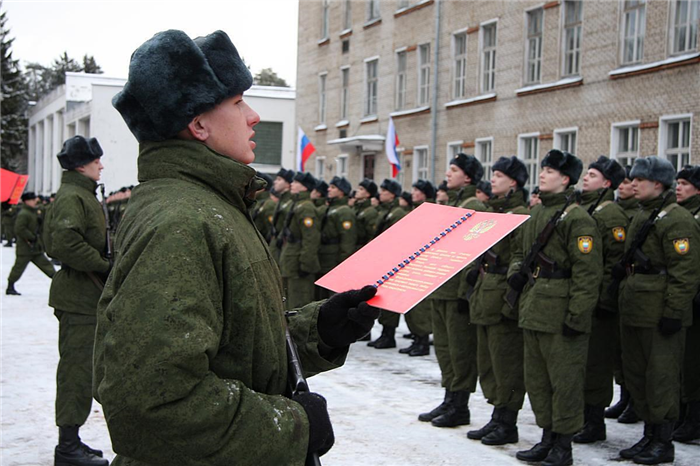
(57, 145)
(48, 148)
(38, 157)
(31, 153)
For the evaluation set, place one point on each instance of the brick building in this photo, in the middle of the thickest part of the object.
(620, 78)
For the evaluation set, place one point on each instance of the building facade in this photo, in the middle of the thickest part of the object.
(496, 78)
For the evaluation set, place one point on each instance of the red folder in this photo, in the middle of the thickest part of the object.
(419, 253)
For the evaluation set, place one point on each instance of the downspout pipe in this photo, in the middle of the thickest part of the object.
(434, 104)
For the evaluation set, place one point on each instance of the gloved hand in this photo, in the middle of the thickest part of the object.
(668, 326)
(472, 277)
(618, 271)
(696, 304)
(570, 332)
(346, 317)
(463, 306)
(321, 436)
(518, 281)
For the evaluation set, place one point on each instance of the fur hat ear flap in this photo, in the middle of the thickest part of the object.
(78, 151)
(653, 168)
(691, 174)
(567, 164)
(611, 170)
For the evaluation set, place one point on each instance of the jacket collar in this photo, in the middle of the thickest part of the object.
(74, 178)
(556, 199)
(502, 204)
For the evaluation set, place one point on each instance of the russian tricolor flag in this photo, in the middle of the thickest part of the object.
(390, 145)
(304, 150)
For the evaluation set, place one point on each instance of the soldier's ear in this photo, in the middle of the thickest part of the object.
(196, 129)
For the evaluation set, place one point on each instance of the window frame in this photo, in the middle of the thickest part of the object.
(664, 122)
(625, 158)
(320, 167)
(528, 39)
(322, 97)
(564, 50)
(459, 61)
(424, 70)
(532, 181)
(673, 5)
(449, 155)
(325, 20)
(347, 15)
(366, 102)
(478, 142)
(416, 169)
(372, 8)
(492, 50)
(401, 80)
(559, 133)
(342, 159)
(638, 54)
(344, 92)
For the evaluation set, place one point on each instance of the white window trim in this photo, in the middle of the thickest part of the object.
(477, 153)
(430, 77)
(369, 117)
(557, 137)
(664, 120)
(337, 165)
(525, 42)
(322, 97)
(615, 137)
(448, 154)
(347, 8)
(621, 35)
(521, 152)
(372, 20)
(396, 78)
(454, 56)
(325, 20)
(670, 32)
(562, 40)
(320, 159)
(347, 98)
(481, 56)
(415, 161)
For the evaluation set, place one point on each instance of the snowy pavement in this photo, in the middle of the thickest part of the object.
(373, 401)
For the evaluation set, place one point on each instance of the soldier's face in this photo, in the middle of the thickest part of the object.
(441, 197)
(685, 190)
(552, 181)
(32, 202)
(385, 196)
(501, 183)
(297, 187)
(594, 180)
(361, 193)
(280, 185)
(417, 195)
(625, 189)
(92, 170)
(229, 128)
(334, 192)
(456, 178)
(646, 189)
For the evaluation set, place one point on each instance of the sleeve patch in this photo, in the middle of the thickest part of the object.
(347, 225)
(585, 244)
(269, 219)
(619, 234)
(308, 222)
(681, 245)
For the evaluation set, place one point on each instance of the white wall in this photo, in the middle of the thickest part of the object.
(276, 104)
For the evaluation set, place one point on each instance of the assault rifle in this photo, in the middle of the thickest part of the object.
(286, 232)
(528, 265)
(593, 206)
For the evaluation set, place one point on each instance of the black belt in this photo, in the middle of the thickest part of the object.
(502, 270)
(556, 274)
(330, 241)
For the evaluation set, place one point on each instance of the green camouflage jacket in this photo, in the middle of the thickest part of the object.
(27, 230)
(367, 217)
(300, 251)
(338, 234)
(629, 206)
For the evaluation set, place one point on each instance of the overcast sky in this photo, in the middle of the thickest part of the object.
(263, 31)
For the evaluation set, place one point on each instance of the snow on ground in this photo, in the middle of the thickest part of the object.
(373, 401)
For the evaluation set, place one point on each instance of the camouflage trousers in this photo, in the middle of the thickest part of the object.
(389, 319)
(76, 338)
(600, 367)
(455, 345)
(420, 319)
(21, 263)
(500, 362)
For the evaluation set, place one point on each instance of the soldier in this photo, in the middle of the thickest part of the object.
(441, 197)
(535, 197)
(30, 247)
(625, 195)
(75, 234)
(660, 280)
(406, 201)
(9, 216)
(454, 336)
(264, 208)
(367, 215)
(688, 195)
(599, 184)
(281, 185)
(301, 237)
(390, 213)
(483, 192)
(419, 320)
(564, 275)
(319, 195)
(500, 340)
(190, 363)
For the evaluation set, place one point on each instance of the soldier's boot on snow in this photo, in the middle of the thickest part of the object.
(408, 349)
(409, 336)
(457, 413)
(660, 449)
(488, 428)
(11, 290)
(560, 454)
(437, 411)
(540, 451)
(8, 244)
(70, 451)
(618, 408)
(421, 346)
(506, 431)
(387, 339)
(631, 452)
(689, 430)
(594, 427)
(628, 416)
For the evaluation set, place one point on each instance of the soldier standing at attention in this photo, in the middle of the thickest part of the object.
(599, 184)
(282, 186)
(320, 197)
(75, 234)
(625, 195)
(389, 192)
(656, 298)
(264, 208)
(500, 340)
(190, 358)
(556, 306)
(367, 215)
(454, 335)
(30, 246)
(688, 195)
(483, 192)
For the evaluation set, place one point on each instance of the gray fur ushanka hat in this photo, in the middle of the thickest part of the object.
(654, 168)
(173, 78)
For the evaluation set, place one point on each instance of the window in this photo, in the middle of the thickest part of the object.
(347, 15)
(675, 141)
(460, 65)
(420, 163)
(368, 165)
(565, 140)
(533, 64)
(573, 16)
(322, 97)
(529, 153)
(371, 81)
(453, 148)
(400, 80)
(268, 137)
(634, 25)
(372, 10)
(424, 74)
(342, 166)
(403, 4)
(625, 142)
(320, 168)
(324, 19)
(345, 46)
(484, 152)
(344, 90)
(488, 57)
(685, 25)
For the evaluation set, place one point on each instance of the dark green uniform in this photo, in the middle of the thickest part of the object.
(367, 217)
(190, 357)
(76, 236)
(262, 215)
(9, 216)
(612, 224)
(338, 236)
(278, 219)
(500, 340)
(555, 364)
(392, 213)
(420, 319)
(630, 206)
(299, 258)
(691, 360)
(30, 246)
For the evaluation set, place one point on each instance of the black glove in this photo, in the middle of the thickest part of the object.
(696, 304)
(668, 326)
(518, 281)
(570, 332)
(321, 436)
(463, 306)
(618, 272)
(472, 277)
(346, 317)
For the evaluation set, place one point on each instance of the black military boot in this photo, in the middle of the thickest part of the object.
(660, 449)
(689, 430)
(70, 451)
(408, 349)
(631, 452)
(628, 416)
(440, 409)
(387, 339)
(560, 454)
(11, 290)
(540, 451)
(488, 428)
(457, 413)
(421, 346)
(618, 408)
(8, 244)
(594, 427)
(409, 336)
(506, 431)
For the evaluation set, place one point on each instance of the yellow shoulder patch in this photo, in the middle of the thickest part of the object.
(269, 219)
(308, 222)
(585, 244)
(619, 234)
(681, 245)
(347, 225)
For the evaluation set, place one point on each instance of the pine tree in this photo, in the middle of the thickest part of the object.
(90, 65)
(267, 77)
(13, 106)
